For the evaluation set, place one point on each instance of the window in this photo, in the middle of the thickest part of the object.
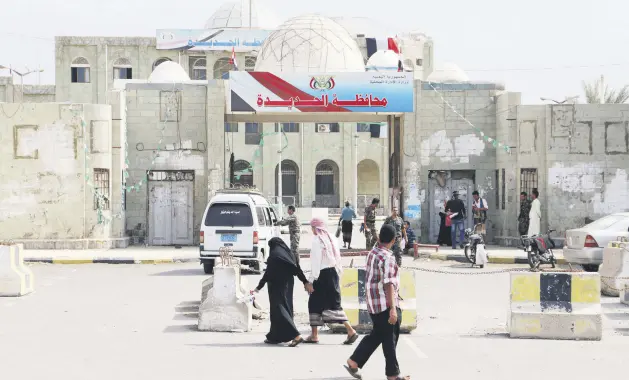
(324, 179)
(243, 173)
(231, 127)
(363, 127)
(122, 69)
(169, 105)
(252, 133)
(250, 63)
(80, 70)
(101, 189)
(528, 180)
(262, 217)
(160, 61)
(229, 214)
(419, 62)
(198, 69)
(288, 127)
(222, 67)
(497, 189)
(273, 216)
(504, 189)
(325, 128)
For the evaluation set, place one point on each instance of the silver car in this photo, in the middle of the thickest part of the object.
(585, 245)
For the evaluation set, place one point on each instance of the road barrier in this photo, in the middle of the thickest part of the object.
(353, 300)
(555, 305)
(624, 295)
(16, 279)
(615, 268)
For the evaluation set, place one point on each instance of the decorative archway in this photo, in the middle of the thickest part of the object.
(327, 184)
(243, 173)
(222, 67)
(290, 182)
(368, 182)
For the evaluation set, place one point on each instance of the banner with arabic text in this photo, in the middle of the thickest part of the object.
(262, 92)
(239, 40)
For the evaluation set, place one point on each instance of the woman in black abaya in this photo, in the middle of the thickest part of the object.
(445, 237)
(280, 271)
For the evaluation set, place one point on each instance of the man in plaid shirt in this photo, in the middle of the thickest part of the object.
(382, 281)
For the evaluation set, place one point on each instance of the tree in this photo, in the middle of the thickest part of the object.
(593, 93)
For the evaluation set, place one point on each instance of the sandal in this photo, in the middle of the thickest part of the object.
(309, 340)
(351, 339)
(355, 372)
(266, 341)
(296, 342)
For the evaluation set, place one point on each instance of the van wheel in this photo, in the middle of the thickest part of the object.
(208, 266)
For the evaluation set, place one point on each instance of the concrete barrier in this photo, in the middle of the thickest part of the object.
(221, 309)
(624, 295)
(209, 283)
(353, 296)
(555, 305)
(615, 268)
(16, 279)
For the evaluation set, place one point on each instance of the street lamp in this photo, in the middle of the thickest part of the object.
(22, 75)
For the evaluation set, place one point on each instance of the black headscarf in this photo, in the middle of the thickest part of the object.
(280, 252)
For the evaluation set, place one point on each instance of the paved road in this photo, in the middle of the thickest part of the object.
(138, 322)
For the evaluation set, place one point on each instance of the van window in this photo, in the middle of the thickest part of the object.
(229, 214)
(262, 220)
(273, 215)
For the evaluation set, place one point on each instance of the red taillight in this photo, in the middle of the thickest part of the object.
(590, 242)
(201, 237)
(255, 237)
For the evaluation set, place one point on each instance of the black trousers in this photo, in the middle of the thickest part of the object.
(382, 333)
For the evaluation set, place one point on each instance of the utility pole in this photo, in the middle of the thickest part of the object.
(601, 90)
(356, 172)
(279, 170)
(250, 12)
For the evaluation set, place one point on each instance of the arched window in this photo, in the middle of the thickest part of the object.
(290, 182)
(250, 63)
(222, 67)
(327, 184)
(122, 69)
(160, 61)
(80, 70)
(199, 69)
(243, 173)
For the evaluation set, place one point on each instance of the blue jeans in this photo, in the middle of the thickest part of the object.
(460, 226)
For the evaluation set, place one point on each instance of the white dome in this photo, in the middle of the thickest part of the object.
(310, 43)
(383, 60)
(234, 15)
(169, 72)
(448, 73)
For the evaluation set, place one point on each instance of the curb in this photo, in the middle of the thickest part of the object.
(118, 261)
(492, 259)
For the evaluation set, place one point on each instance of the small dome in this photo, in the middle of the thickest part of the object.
(448, 73)
(169, 72)
(234, 15)
(383, 60)
(310, 43)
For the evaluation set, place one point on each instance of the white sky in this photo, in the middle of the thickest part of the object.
(541, 48)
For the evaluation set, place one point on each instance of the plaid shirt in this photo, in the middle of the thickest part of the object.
(381, 269)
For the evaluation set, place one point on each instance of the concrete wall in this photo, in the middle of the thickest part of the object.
(12, 92)
(49, 150)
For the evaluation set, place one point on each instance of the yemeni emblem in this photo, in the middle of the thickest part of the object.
(322, 83)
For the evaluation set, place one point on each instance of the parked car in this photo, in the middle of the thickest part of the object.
(585, 245)
(241, 219)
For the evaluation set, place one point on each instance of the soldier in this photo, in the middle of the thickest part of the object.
(400, 232)
(371, 235)
(294, 228)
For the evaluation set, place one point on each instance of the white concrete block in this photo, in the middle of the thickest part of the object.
(16, 279)
(221, 310)
(615, 268)
(559, 326)
(624, 295)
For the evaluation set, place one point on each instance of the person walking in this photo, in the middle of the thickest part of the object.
(279, 275)
(324, 304)
(370, 224)
(410, 235)
(535, 215)
(523, 218)
(294, 229)
(347, 227)
(382, 282)
(400, 233)
(455, 208)
(445, 227)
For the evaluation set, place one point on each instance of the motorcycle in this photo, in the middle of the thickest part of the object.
(471, 246)
(539, 249)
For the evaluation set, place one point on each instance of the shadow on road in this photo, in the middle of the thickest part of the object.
(181, 328)
(240, 345)
(181, 272)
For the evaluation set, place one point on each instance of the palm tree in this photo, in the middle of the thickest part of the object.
(611, 96)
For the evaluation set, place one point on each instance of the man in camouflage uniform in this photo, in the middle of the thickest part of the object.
(294, 228)
(371, 235)
(400, 232)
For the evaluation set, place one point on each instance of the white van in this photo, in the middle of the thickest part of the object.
(241, 219)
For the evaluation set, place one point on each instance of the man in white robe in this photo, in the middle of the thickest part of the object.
(535, 215)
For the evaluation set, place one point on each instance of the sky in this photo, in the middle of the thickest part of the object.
(540, 48)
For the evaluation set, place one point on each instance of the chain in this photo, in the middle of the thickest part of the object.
(509, 270)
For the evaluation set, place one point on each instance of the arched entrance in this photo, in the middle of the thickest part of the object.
(327, 184)
(243, 173)
(368, 183)
(290, 182)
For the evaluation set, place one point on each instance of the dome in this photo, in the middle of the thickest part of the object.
(234, 15)
(383, 60)
(169, 72)
(310, 43)
(448, 73)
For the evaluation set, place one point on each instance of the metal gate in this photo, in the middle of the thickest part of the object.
(170, 207)
(441, 186)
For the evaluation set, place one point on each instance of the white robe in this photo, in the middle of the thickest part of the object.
(535, 218)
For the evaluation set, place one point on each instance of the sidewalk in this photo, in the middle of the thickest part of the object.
(496, 255)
